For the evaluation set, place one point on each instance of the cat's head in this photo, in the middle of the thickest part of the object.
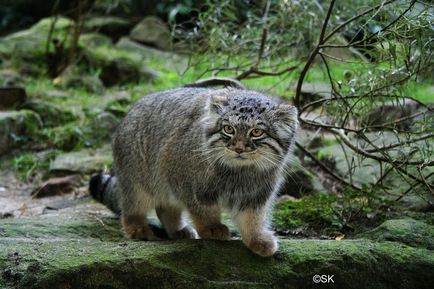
(248, 129)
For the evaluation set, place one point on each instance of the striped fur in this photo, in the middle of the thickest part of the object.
(171, 153)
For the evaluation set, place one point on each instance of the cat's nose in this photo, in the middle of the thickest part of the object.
(239, 147)
(239, 150)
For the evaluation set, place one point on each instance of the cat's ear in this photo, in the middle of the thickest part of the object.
(286, 113)
(216, 103)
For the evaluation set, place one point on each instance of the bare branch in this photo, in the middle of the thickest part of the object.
(312, 56)
(325, 168)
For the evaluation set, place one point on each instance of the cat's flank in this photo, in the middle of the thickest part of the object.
(200, 150)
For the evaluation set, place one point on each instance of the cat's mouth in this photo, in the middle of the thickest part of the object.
(240, 156)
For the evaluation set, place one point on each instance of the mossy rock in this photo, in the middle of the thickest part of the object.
(119, 66)
(85, 161)
(89, 252)
(152, 31)
(91, 40)
(149, 55)
(32, 41)
(61, 24)
(26, 50)
(50, 114)
(408, 231)
(16, 127)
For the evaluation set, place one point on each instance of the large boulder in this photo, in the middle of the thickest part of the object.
(88, 251)
(152, 31)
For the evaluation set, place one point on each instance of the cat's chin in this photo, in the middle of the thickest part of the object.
(235, 162)
(239, 162)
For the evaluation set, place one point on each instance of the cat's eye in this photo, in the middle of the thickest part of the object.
(228, 129)
(256, 132)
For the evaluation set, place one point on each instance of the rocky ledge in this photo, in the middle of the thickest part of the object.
(88, 251)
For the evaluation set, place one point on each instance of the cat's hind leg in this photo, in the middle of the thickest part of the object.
(135, 205)
(171, 218)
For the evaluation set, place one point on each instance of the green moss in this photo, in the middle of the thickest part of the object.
(65, 137)
(318, 210)
(209, 264)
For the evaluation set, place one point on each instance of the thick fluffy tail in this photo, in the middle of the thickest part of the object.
(102, 187)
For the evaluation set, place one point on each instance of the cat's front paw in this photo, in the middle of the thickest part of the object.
(215, 232)
(139, 233)
(185, 233)
(264, 244)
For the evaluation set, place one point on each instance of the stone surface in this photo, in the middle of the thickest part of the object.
(11, 97)
(152, 31)
(87, 251)
(15, 126)
(85, 161)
